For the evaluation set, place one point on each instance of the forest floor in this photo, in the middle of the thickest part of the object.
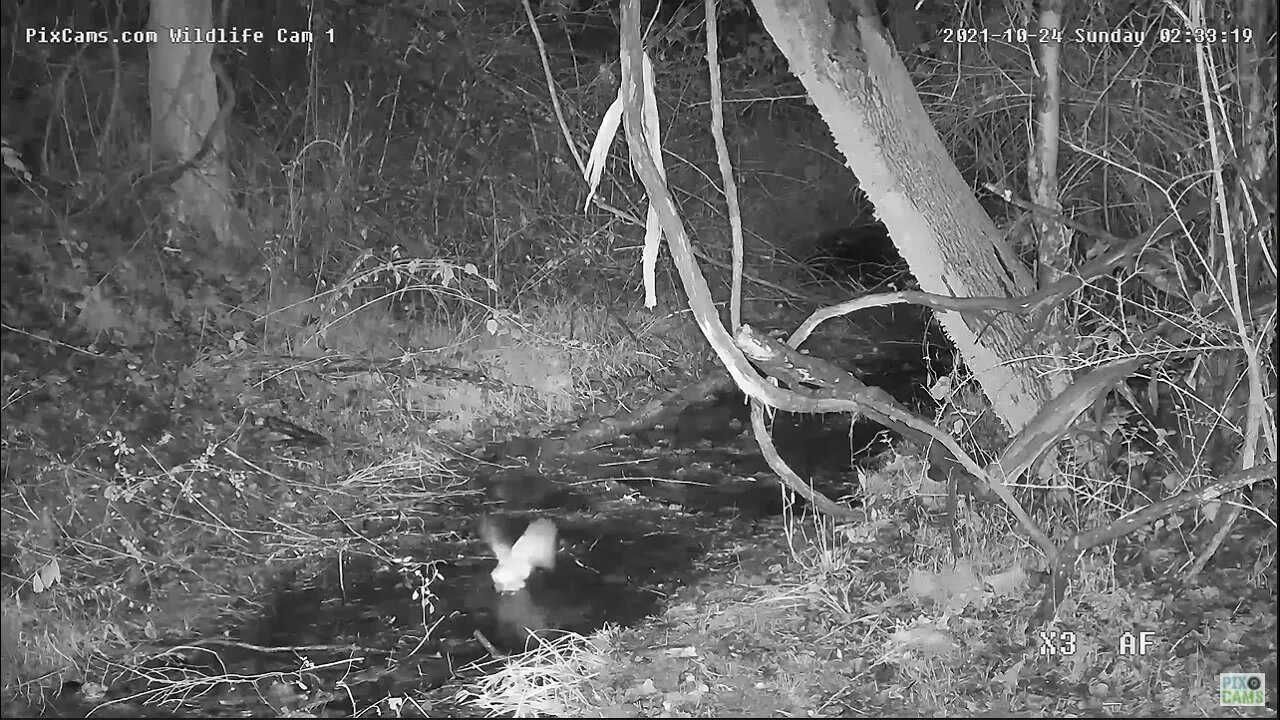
(202, 525)
(807, 619)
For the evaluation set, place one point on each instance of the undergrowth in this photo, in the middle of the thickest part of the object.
(189, 428)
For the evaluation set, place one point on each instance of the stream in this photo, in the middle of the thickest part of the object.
(638, 517)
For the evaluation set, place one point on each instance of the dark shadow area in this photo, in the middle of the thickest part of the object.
(864, 254)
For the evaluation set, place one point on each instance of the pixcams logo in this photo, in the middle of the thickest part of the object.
(1242, 689)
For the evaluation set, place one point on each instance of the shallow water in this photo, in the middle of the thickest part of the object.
(357, 634)
(636, 518)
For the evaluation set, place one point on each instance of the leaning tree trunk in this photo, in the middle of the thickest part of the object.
(867, 99)
(184, 115)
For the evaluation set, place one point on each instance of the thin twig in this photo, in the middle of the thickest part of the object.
(551, 88)
(726, 168)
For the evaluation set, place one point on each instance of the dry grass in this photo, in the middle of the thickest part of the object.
(559, 677)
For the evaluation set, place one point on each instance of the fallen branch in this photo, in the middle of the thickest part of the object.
(1065, 562)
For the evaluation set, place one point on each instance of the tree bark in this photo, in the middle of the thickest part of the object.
(863, 91)
(184, 112)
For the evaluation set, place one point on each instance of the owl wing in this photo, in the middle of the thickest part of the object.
(537, 546)
(493, 538)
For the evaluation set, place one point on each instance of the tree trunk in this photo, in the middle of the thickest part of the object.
(866, 97)
(184, 113)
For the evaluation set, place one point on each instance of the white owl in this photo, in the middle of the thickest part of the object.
(536, 548)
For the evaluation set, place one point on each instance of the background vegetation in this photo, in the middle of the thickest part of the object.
(426, 280)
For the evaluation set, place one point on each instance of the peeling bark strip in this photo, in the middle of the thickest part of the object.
(866, 97)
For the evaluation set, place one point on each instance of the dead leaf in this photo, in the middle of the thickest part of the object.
(924, 640)
(1009, 678)
(645, 688)
(1010, 583)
